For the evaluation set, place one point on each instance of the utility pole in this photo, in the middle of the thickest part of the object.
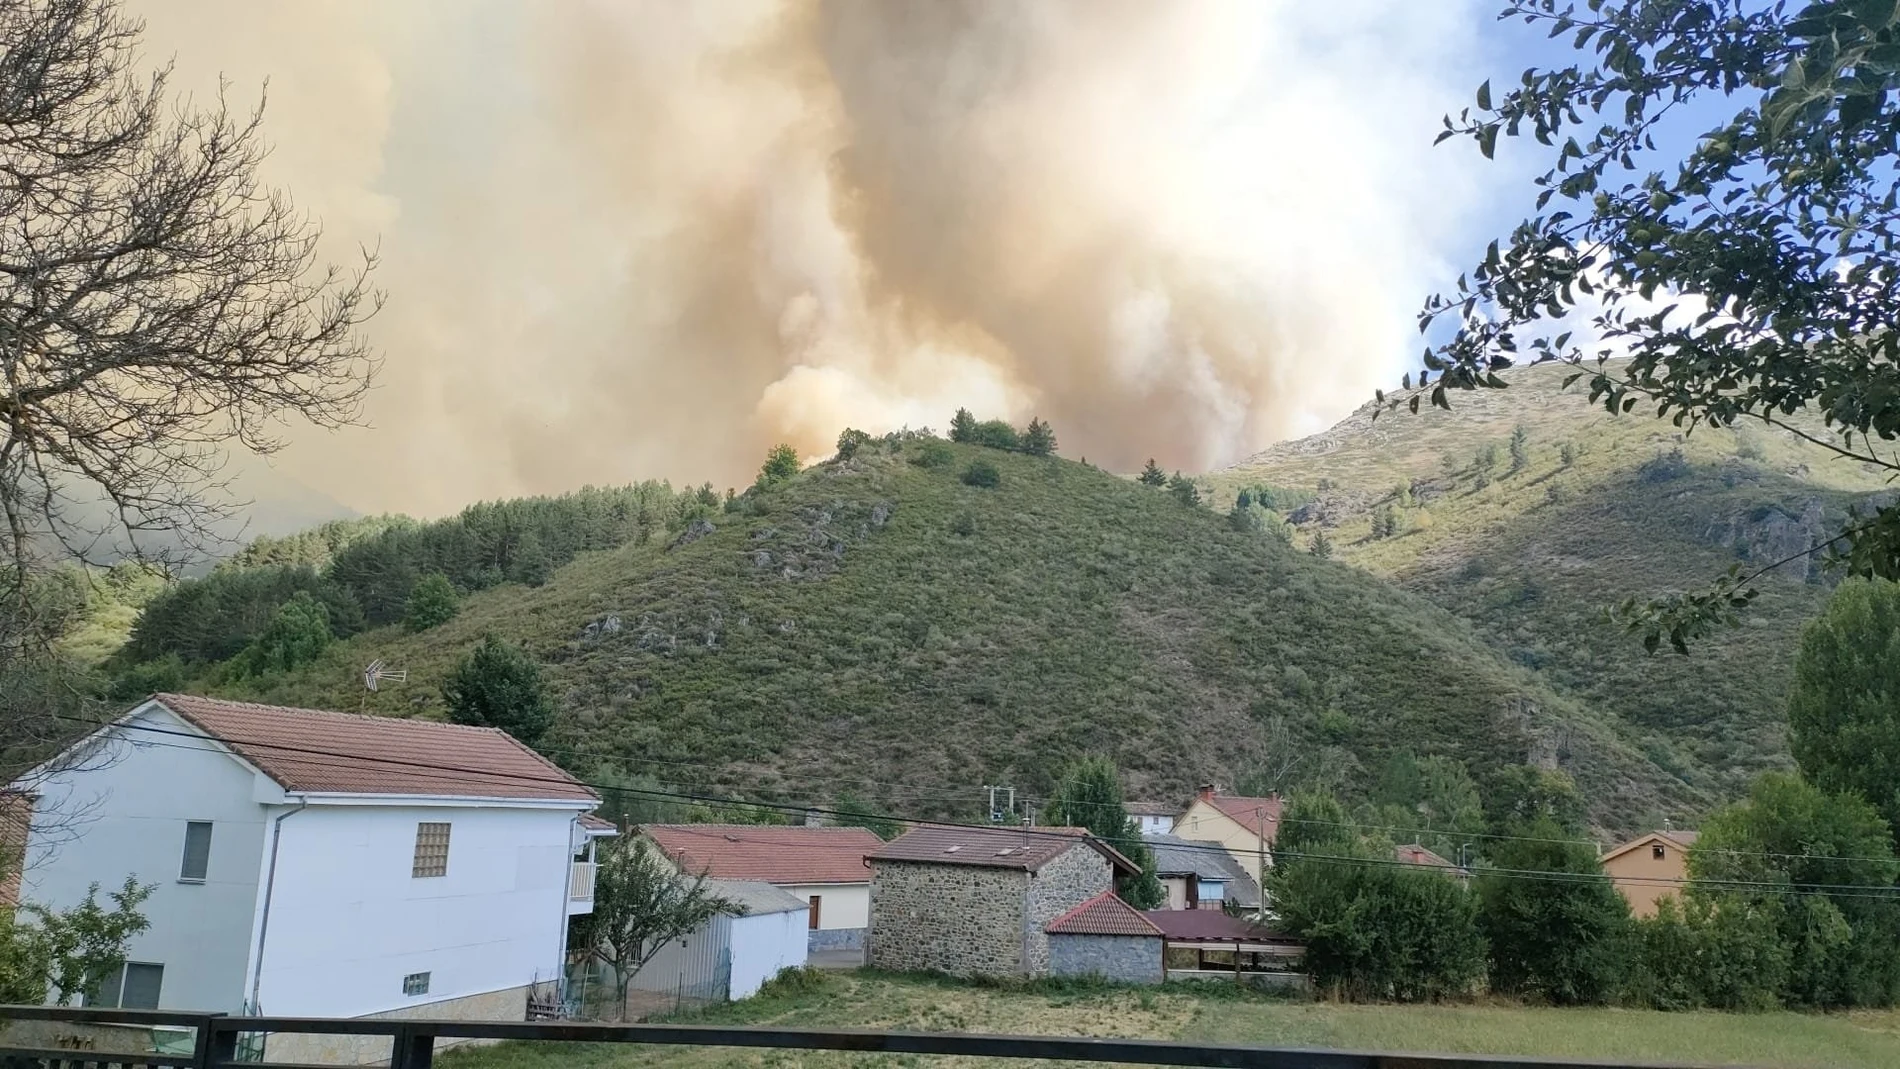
(1003, 814)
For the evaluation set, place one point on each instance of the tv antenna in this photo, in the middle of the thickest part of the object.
(379, 673)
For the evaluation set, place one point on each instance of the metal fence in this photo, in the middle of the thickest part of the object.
(412, 1043)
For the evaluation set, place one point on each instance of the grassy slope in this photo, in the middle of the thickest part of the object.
(1841, 1041)
(886, 629)
(1534, 558)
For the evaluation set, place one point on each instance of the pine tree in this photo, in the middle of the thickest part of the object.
(498, 685)
(1152, 475)
(1039, 440)
(532, 565)
(963, 426)
(1184, 490)
(1321, 546)
(1520, 448)
(1846, 686)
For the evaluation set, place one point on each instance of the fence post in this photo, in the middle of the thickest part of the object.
(214, 1045)
(412, 1048)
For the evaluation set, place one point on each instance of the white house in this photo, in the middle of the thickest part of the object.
(1153, 818)
(735, 953)
(822, 866)
(310, 863)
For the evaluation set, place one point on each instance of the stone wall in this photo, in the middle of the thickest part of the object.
(959, 919)
(836, 939)
(1073, 878)
(1128, 959)
(508, 1004)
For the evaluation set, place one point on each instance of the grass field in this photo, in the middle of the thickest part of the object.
(1840, 1041)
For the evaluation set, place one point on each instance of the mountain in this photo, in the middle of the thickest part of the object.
(877, 625)
(1604, 507)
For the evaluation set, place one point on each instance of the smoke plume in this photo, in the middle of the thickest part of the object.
(626, 240)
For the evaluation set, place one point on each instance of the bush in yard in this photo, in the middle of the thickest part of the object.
(982, 473)
(55, 955)
(1561, 939)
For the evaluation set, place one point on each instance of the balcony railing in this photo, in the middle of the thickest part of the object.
(580, 882)
(412, 1043)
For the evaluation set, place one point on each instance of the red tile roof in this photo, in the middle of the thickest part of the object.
(1028, 849)
(1250, 813)
(312, 751)
(1103, 915)
(772, 853)
(1415, 854)
(1209, 926)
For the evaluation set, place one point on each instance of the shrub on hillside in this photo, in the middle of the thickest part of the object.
(498, 685)
(432, 603)
(998, 434)
(934, 455)
(982, 473)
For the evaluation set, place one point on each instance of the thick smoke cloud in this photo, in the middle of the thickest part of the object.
(625, 240)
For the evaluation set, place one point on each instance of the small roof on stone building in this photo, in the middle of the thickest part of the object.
(1028, 849)
(1104, 914)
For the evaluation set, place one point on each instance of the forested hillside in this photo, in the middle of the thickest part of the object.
(886, 625)
(1532, 540)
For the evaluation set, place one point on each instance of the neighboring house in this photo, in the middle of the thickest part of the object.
(1246, 826)
(732, 955)
(822, 866)
(1649, 867)
(1106, 938)
(1153, 818)
(318, 864)
(976, 901)
(1200, 875)
(1418, 854)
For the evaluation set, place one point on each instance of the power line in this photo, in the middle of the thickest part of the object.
(356, 761)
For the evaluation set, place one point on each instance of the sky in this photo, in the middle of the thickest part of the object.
(628, 240)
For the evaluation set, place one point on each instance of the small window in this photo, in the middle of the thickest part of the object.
(416, 983)
(432, 850)
(1213, 890)
(197, 860)
(132, 986)
(816, 901)
(1656, 851)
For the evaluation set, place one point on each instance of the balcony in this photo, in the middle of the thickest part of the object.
(580, 887)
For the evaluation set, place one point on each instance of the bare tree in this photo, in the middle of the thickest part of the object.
(157, 304)
(641, 903)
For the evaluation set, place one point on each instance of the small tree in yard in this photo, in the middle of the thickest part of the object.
(1152, 475)
(57, 954)
(431, 604)
(498, 685)
(641, 903)
(1562, 938)
(1089, 795)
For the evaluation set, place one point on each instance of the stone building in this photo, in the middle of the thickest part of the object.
(977, 901)
(1107, 938)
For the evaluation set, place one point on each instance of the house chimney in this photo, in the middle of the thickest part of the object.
(1207, 792)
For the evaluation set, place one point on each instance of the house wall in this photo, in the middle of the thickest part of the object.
(960, 919)
(1641, 863)
(844, 905)
(695, 967)
(1128, 959)
(1154, 825)
(1204, 823)
(295, 1048)
(762, 944)
(121, 810)
(348, 920)
(1070, 879)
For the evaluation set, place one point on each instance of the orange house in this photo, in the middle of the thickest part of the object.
(1649, 867)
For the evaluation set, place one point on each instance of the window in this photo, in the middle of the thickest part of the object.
(197, 860)
(816, 901)
(1213, 890)
(132, 986)
(432, 850)
(416, 983)
(1656, 851)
